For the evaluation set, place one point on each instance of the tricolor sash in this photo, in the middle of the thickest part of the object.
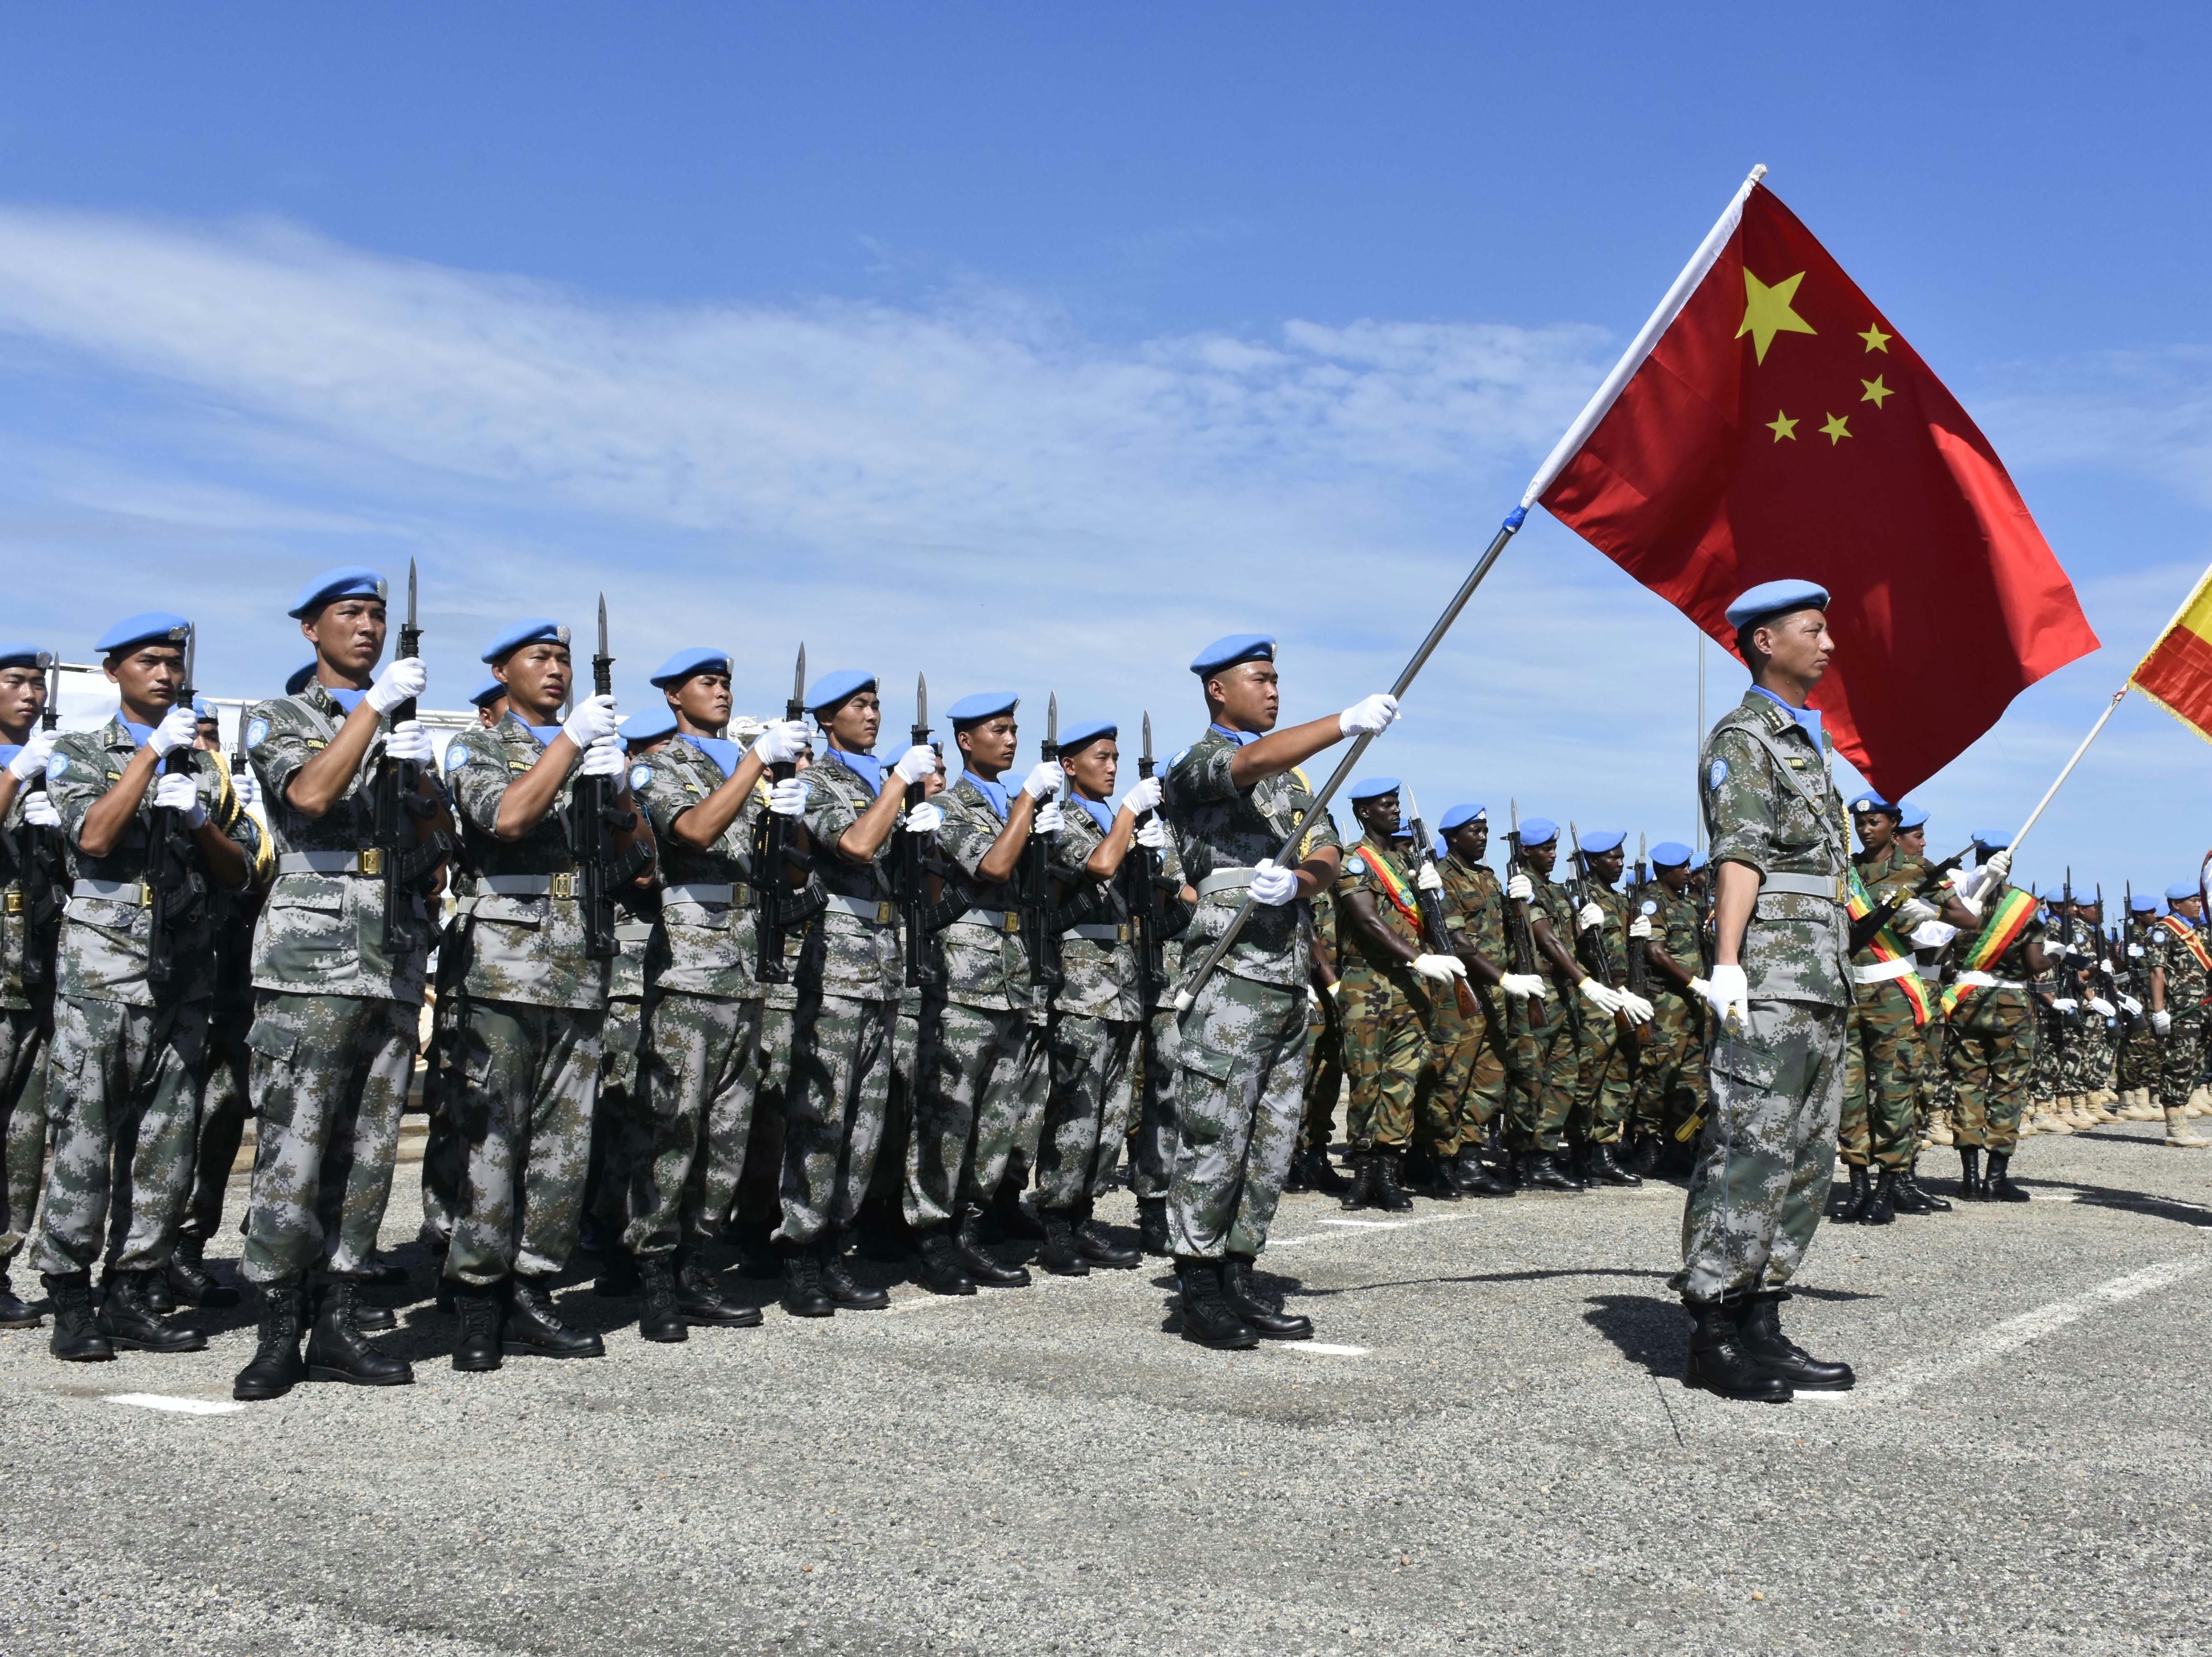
(1886, 946)
(1393, 885)
(2008, 918)
(2177, 927)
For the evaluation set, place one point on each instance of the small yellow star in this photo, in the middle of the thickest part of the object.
(1876, 340)
(1876, 390)
(1766, 312)
(1835, 430)
(1783, 426)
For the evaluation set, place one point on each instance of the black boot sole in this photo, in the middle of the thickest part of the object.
(164, 1349)
(964, 1286)
(1699, 1383)
(1118, 1263)
(483, 1365)
(325, 1372)
(262, 1395)
(1239, 1343)
(524, 1348)
(735, 1317)
(84, 1357)
(666, 1334)
(875, 1301)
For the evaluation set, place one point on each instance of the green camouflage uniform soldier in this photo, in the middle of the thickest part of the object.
(1310, 1167)
(532, 1024)
(1992, 1013)
(1493, 1052)
(1885, 1050)
(2180, 966)
(2138, 1064)
(1540, 1109)
(1232, 801)
(29, 857)
(338, 983)
(1670, 1082)
(1780, 988)
(130, 1007)
(1605, 1082)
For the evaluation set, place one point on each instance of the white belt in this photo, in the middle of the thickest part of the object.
(1985, 981)
(563, 885)
(1225, 880)
(876, 912)
(1882, 971)
(117, 891)
(369, 860)
(998, 921)
(1099, 933)
(708, 891)
(1805, 886)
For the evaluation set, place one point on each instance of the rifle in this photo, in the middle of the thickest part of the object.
(1864, 928)
(593, 821)
(909, 866)
(2067, 976)
(1142, 895)
(176, 883)
(40, 862)
(2133, 974)
(1600, 956)
(775, 859)
(1639, 959)
(1431, 905)
(408, 867)
(1519, 932)
(1033, 894)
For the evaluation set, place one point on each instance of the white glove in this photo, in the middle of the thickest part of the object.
(2064, 1004)
(917, 762)
(39, 811)
(1145, 796)
(1429, 880)
(1729, 993)
(2134, 1006)
(1605, 999)
(926, 818)
(1638, 1009)
(1522, 987)
(1440, 968)
(1153, 833)
(1933, 936)
(33, 760)
(788, 798)
(1588, 916)
(780, 741)
(409, 742)
(1995, 871)
(1050, 819)
(604, 758)
(593, 718)
(2102, 1008)
(179, 728)
(1273, 886)
(1371, 716)
(405, 678)
(1915, 912)
(1970, 901)
(1521, 889)
(1045, 777)
(2163, 1022)
(181, 792)
(1640, 927)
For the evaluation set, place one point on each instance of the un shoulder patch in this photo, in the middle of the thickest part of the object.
(1717, 775)
(1357, 866)
(457, 756)
(257, 732)
(639, 776)
(57, 766)
(1650, 908)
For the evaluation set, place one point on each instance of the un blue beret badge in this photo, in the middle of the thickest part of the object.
(640, 775)
(257, 732)
(1717, 775)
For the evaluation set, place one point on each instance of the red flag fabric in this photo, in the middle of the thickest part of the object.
(1777, 425)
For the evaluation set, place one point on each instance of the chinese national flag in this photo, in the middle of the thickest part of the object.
(1780, 427)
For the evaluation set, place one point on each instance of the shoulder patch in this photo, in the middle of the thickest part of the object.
(1177, 759)
(1357, 866)
(57, 766)
(257, 732)
(1649, 907)
(457, 756)
(1717, 775)
(639, 776)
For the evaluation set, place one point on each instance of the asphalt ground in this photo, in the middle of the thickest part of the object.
(1486, 1449)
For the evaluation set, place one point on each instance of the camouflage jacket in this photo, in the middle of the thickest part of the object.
(2166, 946)
(1556, 909)
(1888, 878)
(853, 948)
(522, 946)
(1475, 910)
(1221, 830)
(1101, 970)
(105, 940)
(1770, 803)
(15, 837)
(1677, 928)
(707, 942)
(1359, 961)
(1604, 954)
(322, 933)
(985, 962)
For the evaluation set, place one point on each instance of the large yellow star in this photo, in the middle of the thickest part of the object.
(1876, 340)
(1876, 390)
(1766, 312)
(1835, 430)
(1783, 426)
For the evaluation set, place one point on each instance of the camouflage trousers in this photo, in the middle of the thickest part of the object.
(2138, 1063)
(1539, 1101)
(2181, 1059)
(2089, 1061)
(1991, 1056)
(841, 1053)
(1240, 1054)
(23, 1123)
(331, 1074)
(1324, 1071)
(1605, 1079)
(226, 1100)
(1385, 1060)
(520, 1100)
(1769, 1147)
(2045, 1057)
(1088, 1111)
(121, 1102)
(441, 1149)
(1670, 1079)
(1152, 1146)
(981, 1078)
(610, 1175)
(1883, 1059)
(1468, 1070)
(684, 1135)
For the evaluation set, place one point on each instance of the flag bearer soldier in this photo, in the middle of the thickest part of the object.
(1885, 1052)
(1780, 986)
(1992, 1016)
(1475, 921)
(1537, 1127)
(533, 1025)
(144, 816)
(1607, 1084)
(1670, 1082)
(2180, 965)
(28, 825)
(1232, 800)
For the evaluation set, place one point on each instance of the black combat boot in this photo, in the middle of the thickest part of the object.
(981, 1266)
(1643, 1157)
(1320, 1173)
(1849, 1206)
(1061, 1256)
(76, 1337)
(190, 1281)
(131, 1326)
(1473, 1175)
(1152, 1226)
(1906, 1195)
(700, 1298)
(1935, 1204)
(383, 1272)
(275, 1368)
(1720, 1363)
(1359, 1190)
(13, 1314)
(1542, 1171)
(1759, 1327)
(1429, 1176)
(619, 1278)
(336, 1351)
(659, 1318)
(1256, 1307)
(1999, 1187)
(1098, 1246)
(1971, 1188)
(1389, 1195)
(802, 1294)
(942, 1272)
(1010, 1219)
(1881, 1201)
(1208, 1319)
(531, 1328)
(1605, 1169)
(837, 1279)
(478, 1307)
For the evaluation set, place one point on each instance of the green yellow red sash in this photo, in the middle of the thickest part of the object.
(1393, 885)
(2007, 920)
(1887, 946)
(2187, 934)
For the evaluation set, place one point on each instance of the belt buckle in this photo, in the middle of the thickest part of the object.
(14, 903)
(562, 885)
(145, 895)
(372, 860)
(1013, 923)
(1121, 932)
(885, 914)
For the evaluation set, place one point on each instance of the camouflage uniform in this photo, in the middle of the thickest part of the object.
(531, 1028)
(1239, 1048)
(1471, 1087)
(1886, 1051)
(1324, 1038)
(1670, 1082)
(1763, 1166)
(2181, 1050)
(1543, 1102)
(121, 1072)
(1605, 1079)
(1387, 1012)
(1992, 1028)
(609, 1174)
(26, 1016)
(226, 1061)
(2138, 1062)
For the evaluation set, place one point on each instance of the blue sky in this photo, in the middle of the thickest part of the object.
(1035, 346)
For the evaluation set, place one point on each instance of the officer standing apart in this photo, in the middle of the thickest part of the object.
(1240, 1045)
(1781, 988)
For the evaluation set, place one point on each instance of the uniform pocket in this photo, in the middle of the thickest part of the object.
(273, 1040)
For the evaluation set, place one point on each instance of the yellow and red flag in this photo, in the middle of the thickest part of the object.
(2177, 674)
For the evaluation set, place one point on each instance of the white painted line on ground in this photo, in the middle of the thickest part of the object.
(1370, 1225)
(1320, 1348)
(182, 1406)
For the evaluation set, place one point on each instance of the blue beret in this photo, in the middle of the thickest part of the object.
(2180, 892)
(522, 632)
(834, 687)
(1772, 598)
(1372, 787)
(1456, 815)
(2144, 904)
(489, 692)
(684, 662)
(346, 581)
(648, 724)
(1438, 848)
(1988, 841)
(1668, 853)
(1909, 816)
(1227, 652)
(141, 629)
(1871, 801)
(1599, 841)
(21, 656)
(1089, 732)
(204, 708)
(1537, 831)
(303, 675)
(983, 705)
